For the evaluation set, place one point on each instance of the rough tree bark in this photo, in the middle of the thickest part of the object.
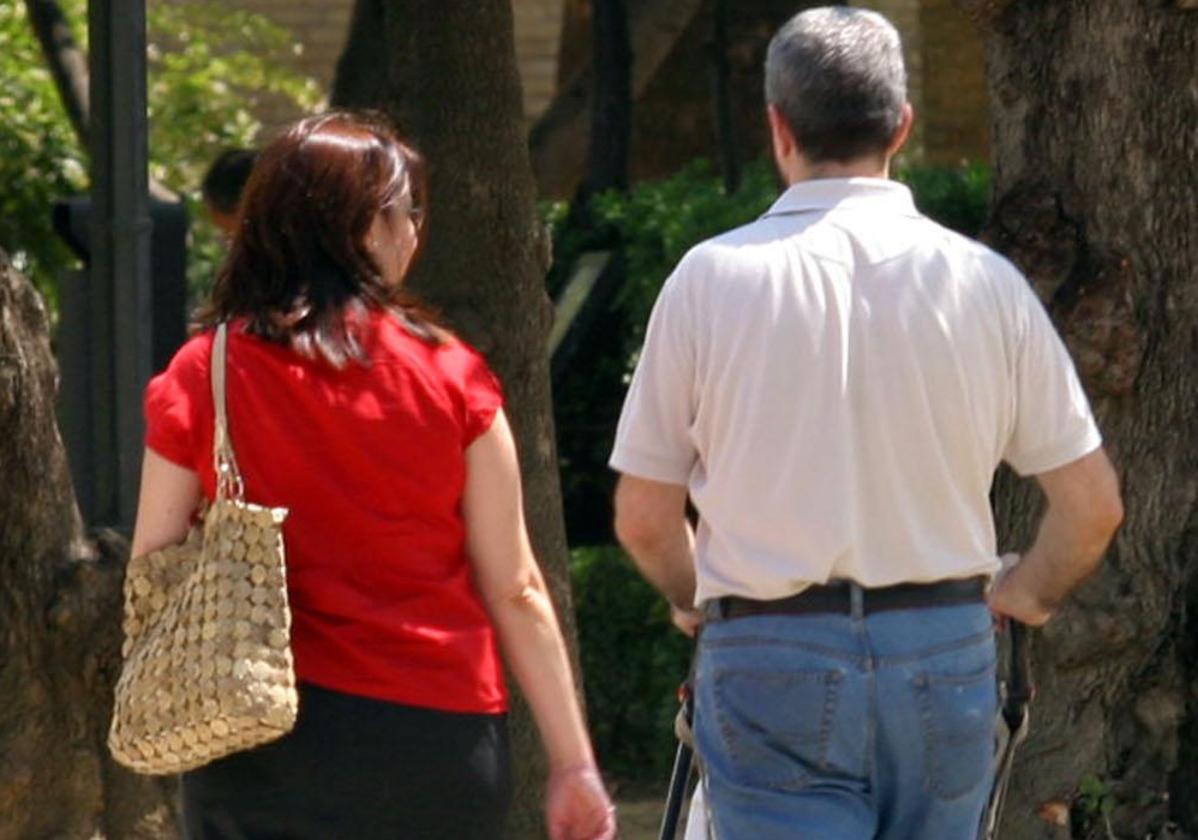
(60, 600)
(450, 83)
(1095, 107)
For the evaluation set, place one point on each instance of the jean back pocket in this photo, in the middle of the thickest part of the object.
(958, 712)
(775, 727)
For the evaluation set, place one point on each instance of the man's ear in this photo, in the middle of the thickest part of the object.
(906, 120)
(783, 138)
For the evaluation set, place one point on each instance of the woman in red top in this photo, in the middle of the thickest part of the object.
(408, 561)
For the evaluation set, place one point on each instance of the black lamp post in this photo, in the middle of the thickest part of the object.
(122, 318)
(120, 295)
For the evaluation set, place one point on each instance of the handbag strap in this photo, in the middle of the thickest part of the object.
(229, 484)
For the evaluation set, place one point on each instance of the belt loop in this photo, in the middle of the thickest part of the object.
(713, 609)
(856, 601)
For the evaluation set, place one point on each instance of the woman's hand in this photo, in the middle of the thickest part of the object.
(577, 806)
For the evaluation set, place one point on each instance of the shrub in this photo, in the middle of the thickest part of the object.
(633, 661)
(201, 100)
(957, 197)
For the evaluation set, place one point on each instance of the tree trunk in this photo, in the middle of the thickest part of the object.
(360, 76)
(1095, 106)
(558, 141)
(60, 602)
(67, 63)
(451, 85)
(68, 66)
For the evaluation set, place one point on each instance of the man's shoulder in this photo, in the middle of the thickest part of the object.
(754, 243)
(945, 239)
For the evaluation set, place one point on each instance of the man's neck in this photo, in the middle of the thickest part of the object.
(801, 170)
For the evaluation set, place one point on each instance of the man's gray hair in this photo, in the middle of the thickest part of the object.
(836, 75)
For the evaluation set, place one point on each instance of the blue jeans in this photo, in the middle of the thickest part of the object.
(848, 727)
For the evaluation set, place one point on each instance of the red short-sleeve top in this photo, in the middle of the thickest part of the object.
(370, 460)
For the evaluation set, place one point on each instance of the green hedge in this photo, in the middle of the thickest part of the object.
(632, 660)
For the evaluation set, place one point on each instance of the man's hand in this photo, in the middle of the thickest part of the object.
(1084, 509)
(1010, 598)
(687, 620)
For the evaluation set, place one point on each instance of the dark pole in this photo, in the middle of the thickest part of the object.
(120, 245)
(722, 98)
(611, 110)
(611, 114)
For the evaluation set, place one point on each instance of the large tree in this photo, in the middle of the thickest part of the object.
(60, 601)
(1096, 199)
(448, 77)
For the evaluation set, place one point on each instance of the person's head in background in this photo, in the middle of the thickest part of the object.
(223, 184)
(331, 221)
(836, 94)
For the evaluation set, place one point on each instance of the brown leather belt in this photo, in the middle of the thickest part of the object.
(838, 598)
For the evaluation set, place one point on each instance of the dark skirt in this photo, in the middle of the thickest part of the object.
(362, 769)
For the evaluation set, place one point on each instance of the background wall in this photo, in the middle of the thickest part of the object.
(320, 29)
(673, 122)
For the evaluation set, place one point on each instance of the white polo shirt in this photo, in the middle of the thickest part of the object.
(836, 383)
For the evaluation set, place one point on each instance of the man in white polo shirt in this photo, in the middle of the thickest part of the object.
(834, 386)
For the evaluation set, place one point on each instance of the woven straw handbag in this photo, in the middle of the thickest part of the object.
(207, 658)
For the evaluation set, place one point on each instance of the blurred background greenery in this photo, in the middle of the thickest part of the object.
(209, 71)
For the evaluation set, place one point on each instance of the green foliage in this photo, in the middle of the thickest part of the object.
(660, 221)
(210, 69)
(957, 197)
(633, 661)
(40, 159)
(1094, 798)
(204, 85)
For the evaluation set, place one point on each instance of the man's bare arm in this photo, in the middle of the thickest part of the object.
(651, 525)
(1084, 511)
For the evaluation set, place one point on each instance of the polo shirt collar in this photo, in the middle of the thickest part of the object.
(845, 194)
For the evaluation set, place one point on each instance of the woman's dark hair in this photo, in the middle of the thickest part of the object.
(299, 269)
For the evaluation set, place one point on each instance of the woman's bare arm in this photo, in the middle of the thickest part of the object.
(514, 591)
(168, 499)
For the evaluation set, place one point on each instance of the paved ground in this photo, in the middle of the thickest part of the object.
(639, 819)
(639, 812)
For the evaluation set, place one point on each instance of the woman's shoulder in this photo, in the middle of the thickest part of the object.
(446, 358)
(401, 335)
(191, 362)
